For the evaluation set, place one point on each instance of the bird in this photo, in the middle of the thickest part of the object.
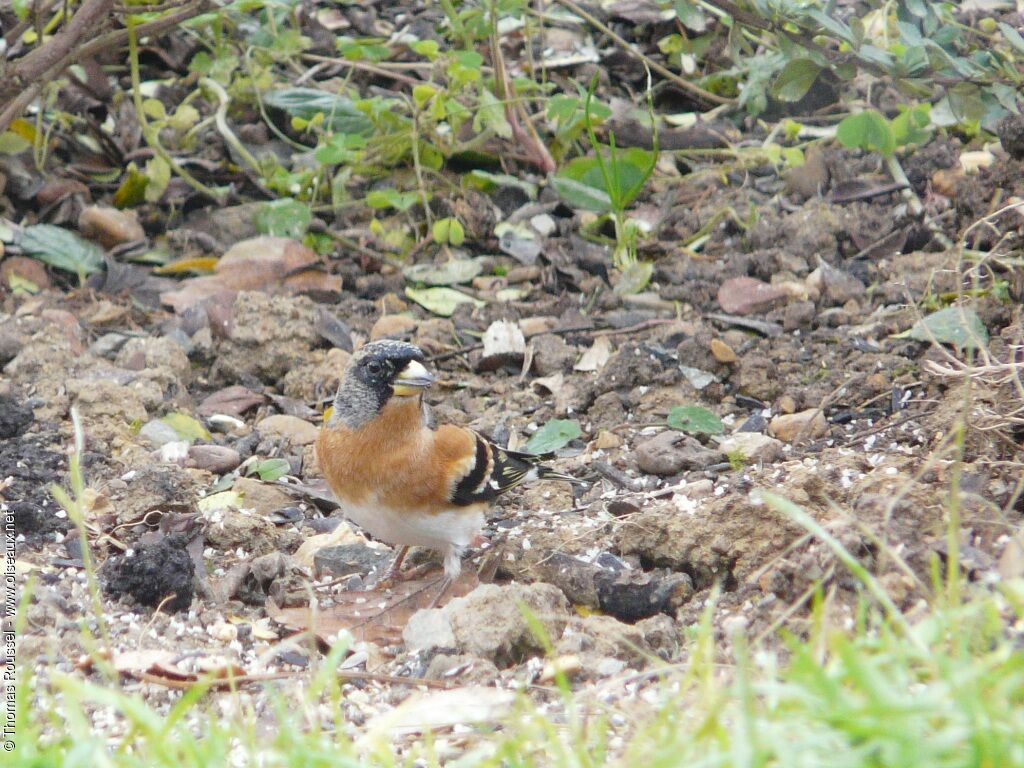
(403, 480)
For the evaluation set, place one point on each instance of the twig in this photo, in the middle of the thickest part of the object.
(364, 67)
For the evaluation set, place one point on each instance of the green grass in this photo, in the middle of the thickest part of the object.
(950, 694)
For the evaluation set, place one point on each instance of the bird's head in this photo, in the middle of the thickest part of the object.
(380, 373)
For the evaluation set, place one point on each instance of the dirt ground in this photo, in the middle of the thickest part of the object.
(824, 404)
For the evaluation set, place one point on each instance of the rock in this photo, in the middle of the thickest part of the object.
(155, 486)
(393, 327)
(722, 352)
(468, 670)
(810, 178)
(758, 377)
(152, 573)
(535, 326)
(218, 459)
(807, 425)
(318, 378)
(106, 408)
(671, 452)
(293, 430)
(606, 440)
(348, 559)
(262, 498)
(157, 433)
(551, 354)
(226, 225)
(268, 567)
(1011, 136)
(836, 286)
(149, 354)
(266, 338)
(110, 226)
(488, 623)
(754, 447)
(787, 404)
(596, 638)
(747, 296)
(231, 529)
(15, 268)
(797, 315)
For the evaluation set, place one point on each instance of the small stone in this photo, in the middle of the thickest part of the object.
(24, 268)
(292, 429)
(263, 498)
(698, 489)
(606, 440)
(877, 382)
(346, 559)
(758, 377)
(110, 226)
(747, 296)
(798, 315)
(430, 631)
(504, 344)
(393, 327)
(232, 529)
(787, 404)
(551, 354)
(723, 352)
(214, 458)
(836, 286)
(809, 424)
(671, 452)
(754, 447)
(811, 178)
(157, 433)
(534, 326)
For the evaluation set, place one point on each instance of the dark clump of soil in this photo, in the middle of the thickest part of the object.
(152, 573)
(1011, 136)
(32, 468)
(14, 418)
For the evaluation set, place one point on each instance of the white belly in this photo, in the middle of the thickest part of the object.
(454, 528)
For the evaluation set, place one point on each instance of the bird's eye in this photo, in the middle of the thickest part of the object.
(374, 368)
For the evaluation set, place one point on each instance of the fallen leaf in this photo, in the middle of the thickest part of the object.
(695, 420)
(186, 427)
(556, 434)
(468, 705)
(440, 301)
(452, 272)
(233, 401)
(957, 326)
(343, 534)
(62, 249)
(595, 358)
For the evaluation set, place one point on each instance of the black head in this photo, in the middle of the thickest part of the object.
(378, 372)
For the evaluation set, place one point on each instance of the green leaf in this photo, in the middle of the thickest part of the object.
(283, 218)
(306, 103)
(380, 199)
(452, 272)
(13, 144)
(795, 80)
(837, 28)
(867, 130)
(186, 427)
(627, 170)
(690, 15)
(341, 148)
(270, 470)
(577, 195)
(448, 231)
(158, 176)
(490, 113)
(1012, 36)
(62, 249)
(490, 182)
(440, 301)
(556, 434)
(912, 126)
(957, 326)
(695, 420)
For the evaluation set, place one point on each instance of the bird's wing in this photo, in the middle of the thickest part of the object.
(492, 470)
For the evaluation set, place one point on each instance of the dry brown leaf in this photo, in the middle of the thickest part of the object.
(271, 264)
(374, 616)
(233, 401)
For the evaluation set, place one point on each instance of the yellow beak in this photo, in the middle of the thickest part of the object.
(412, 380)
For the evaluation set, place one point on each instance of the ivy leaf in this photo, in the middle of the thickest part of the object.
(283, 218)
(695, 420)
(795, 80)
(556, 434)
(62, 249)
(957, 326)
(270, 470)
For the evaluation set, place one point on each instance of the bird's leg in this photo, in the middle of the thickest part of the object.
(452, 569)
(446, 583)
(391, 574)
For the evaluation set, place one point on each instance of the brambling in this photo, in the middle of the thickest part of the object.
(402, 480)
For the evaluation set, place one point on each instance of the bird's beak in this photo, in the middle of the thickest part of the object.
(412, 380)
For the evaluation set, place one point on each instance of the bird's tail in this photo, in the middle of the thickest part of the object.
(546, 473)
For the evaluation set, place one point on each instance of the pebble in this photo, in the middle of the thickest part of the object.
(755, 447)
(214, 458)
(747, 296)
(110, 226)
(292, 429)
(393, 327)
(807, 424)
(722, 352)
